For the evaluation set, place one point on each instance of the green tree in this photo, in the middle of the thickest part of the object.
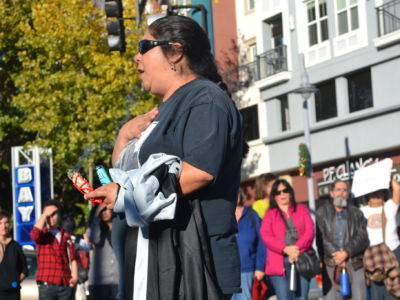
(72, 93)
(11, 133)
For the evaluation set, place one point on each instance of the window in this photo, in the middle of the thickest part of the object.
(250, 123)
(249, 5)
(285, 121)
(252, 53)
(325, 101)
(347, 15)
(274, 28)
(277, 32)
(360, 90)
(317, 17)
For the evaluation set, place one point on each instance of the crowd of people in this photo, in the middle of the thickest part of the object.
(362, 241)
(172, 224)
(347, 237)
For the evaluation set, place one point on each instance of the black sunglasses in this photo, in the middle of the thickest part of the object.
(146, 45)
(285, 191)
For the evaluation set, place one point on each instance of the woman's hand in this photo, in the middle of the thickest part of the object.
(291, 250)
(134, 128)
(259, 275)
(294, 258)
(108, 192)
(131, 130)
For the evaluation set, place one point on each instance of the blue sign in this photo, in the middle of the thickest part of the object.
(24, 203)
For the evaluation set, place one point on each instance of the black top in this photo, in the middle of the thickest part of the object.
(200, 124)
(12, 265)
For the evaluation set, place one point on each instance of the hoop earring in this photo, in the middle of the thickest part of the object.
(173, 68)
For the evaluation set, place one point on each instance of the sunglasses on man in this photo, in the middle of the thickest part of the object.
(146, 45)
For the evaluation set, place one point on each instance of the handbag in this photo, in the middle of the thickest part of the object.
(374, 259)
(258, 289)
(308, 264)
(379, 253)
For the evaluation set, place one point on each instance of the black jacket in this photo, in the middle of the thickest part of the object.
(356, 238)
(180, 262)
(12, 265)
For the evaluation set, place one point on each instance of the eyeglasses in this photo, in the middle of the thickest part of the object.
(341, 190)
(146, 45)
(284, 191)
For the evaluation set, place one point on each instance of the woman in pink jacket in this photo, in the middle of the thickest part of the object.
(286, 239)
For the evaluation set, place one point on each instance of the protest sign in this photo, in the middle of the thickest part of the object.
(372, 178)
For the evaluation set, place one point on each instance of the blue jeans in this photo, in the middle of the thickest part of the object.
(281, 285)
(55, 292)
(118, 233)
(246, 279)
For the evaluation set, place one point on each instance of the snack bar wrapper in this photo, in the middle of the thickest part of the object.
(82, 185)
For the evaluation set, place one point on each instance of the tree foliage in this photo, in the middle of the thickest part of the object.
(11, 133)
(67, 91)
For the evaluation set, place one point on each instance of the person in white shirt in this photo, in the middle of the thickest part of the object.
(379, 203)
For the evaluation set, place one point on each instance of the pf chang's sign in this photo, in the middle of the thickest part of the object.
(345, 171)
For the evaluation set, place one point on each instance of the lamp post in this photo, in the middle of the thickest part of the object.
(306, 89)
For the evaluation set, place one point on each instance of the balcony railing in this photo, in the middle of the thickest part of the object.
(266, 64)
(388, 16)
(272, 62)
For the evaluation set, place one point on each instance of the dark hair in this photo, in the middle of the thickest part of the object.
(383, 193)
(241, 198)
(54, 203)
(333, 185)
(272, 201)
(262, 181)
(68, 224)
(5, 214)
(195, 43)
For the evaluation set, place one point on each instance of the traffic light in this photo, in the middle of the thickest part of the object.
(115, 26)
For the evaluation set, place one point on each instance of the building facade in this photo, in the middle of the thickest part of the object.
(351, 52)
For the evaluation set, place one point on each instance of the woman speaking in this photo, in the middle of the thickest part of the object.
(198, 123)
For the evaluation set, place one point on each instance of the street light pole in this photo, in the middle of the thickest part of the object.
(306, 89)
(307, 137)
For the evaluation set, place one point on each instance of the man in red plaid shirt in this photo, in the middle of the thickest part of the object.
(57, 265)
